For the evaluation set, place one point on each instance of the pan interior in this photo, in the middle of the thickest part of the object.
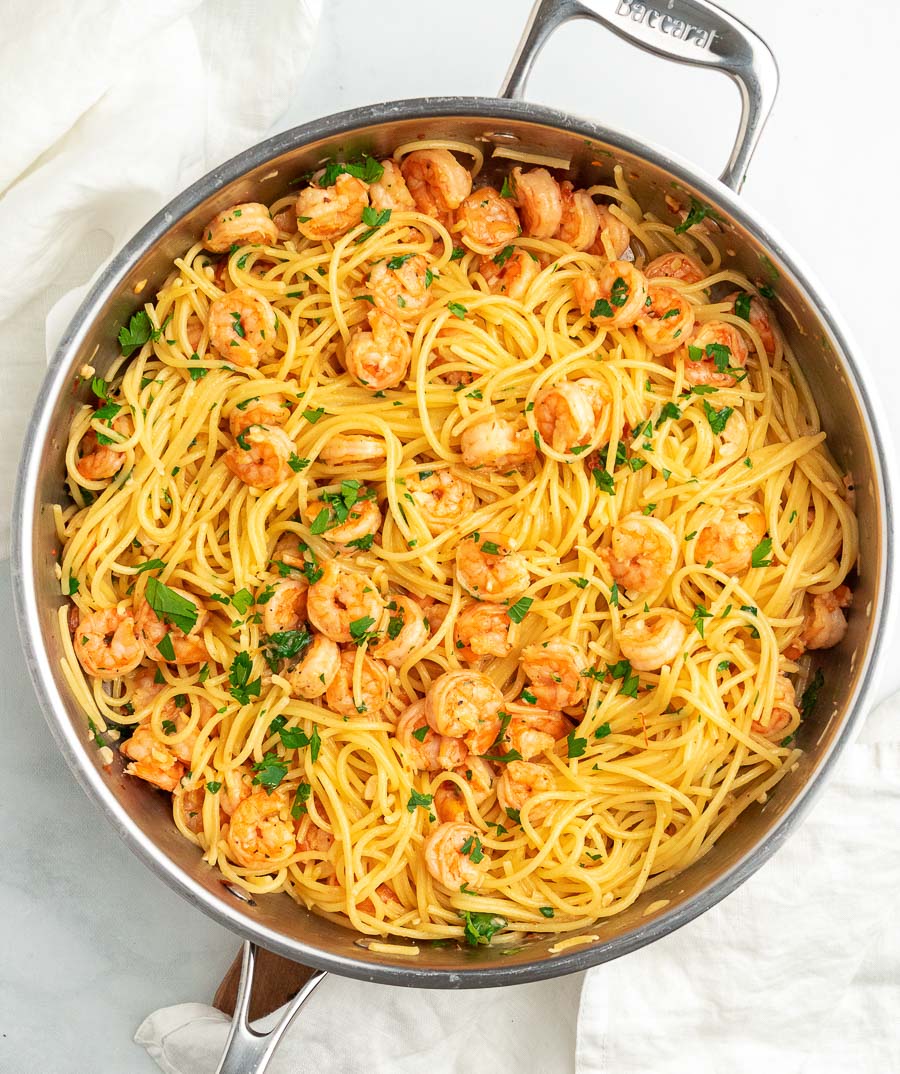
(501, 130)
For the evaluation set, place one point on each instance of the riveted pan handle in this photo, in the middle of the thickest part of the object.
(246, 1050)
(695, 32)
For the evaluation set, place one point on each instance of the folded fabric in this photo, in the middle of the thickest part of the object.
(96, 140)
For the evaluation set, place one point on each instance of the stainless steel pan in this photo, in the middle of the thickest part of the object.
(687, 31)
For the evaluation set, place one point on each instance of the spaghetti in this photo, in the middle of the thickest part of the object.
(448, 555)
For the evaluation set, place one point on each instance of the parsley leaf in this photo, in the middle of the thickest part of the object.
(416, 799)
(285, 644)
(576, 746)
(270, 771)
(137, 333)
(698, 212)
(170, 606)
(242, 689)
(457, 309)
(717, 418)
(701, 612)
(480, 928)
(810, 696)
(759, 555)
(370, 171)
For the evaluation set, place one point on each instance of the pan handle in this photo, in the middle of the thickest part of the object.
(249, 1052)
(688, 31)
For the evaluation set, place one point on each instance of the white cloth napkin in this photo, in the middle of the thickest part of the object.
(99, 134)
(796, 973)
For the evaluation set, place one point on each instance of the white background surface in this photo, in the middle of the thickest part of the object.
(89, 940)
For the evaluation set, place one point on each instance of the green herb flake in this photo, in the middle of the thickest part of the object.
(519, 610)
(171, 607)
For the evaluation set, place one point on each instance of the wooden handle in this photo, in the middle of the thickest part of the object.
(276, 981)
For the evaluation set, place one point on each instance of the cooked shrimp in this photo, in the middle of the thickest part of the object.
(676, 266)
(402, 292)
(261, 831)
(286, 607)
(522, 781)
(406, 632)
(289, 550)
(488, 220)
(374, 688)
(247, 223)
(435, 612)
(732, 440)
(237, 784)
(488, 570)
(339, 599)
(380, 358)
(651, 641)
(666, 320)
(825, 624)
(613, 237)
(784, 708)
(151, 759)
(313, 839)
(564, 416)
(599, 397)
(260, 456)
(715, 354)
(643, 553)
(325, 212)
(189, 805)
(106, 643)
(493, 443)
(511, 275)
(481, 630)
(464, 704)
(580, 217)
(270, 410)
(555, 670)
(188, 648)
(391, 191)
(315, 668)
(532, 731)
(448, 855)
(343, 523)
(443, 499)
(99, 461)
(728, 541)
(539, 200)
(346, 449)
(760, 319)
(436, 181)
(613, 298)
(424, 749)
(449, 800)
(242, 327)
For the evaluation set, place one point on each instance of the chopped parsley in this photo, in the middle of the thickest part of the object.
(810, 696)
(576, 746)
(416, 799)
(717, 418)
(137, 333)
(480, 928)
(270, 771)
(242, 689)
(370, 171)
(171, 607)
(759, 557)
(700, 614)
(457, 309)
